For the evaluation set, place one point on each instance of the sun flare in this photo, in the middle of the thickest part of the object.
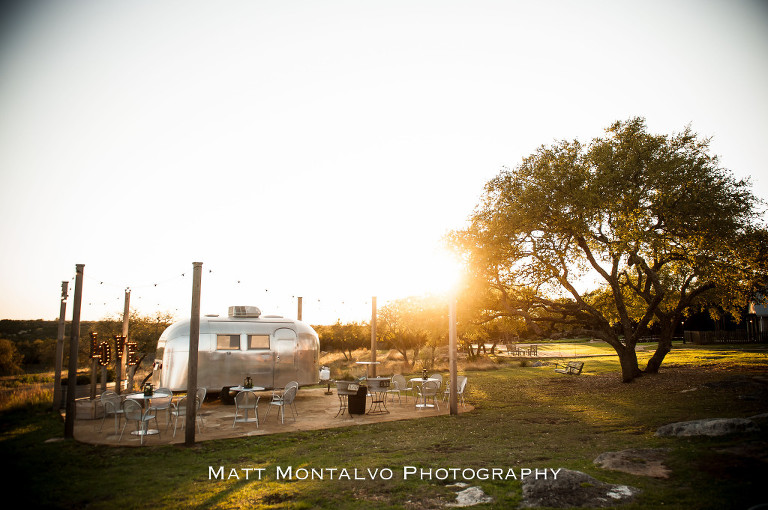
(432, 273)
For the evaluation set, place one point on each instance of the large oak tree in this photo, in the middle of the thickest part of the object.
(630, 230)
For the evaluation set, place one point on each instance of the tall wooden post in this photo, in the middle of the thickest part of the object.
(94, 364)
(299, 311)
(124, 357)
(374, 345)
(104, 375)
(118, 364)
(373, 335)
(69, 421)
(452, 354)
(59, 361)
(194, 341)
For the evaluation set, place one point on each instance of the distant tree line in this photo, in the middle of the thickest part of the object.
(416, 326)
(28, 344)
(344, 338)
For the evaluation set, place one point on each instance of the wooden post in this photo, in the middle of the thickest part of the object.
(299, 312)
(124, 357)
(94, 376)
(94, 363)
(194, 341)
(452, 354)
(60, 348)
(373, 335)
(118, 365)
(103, 378)
(74, 338)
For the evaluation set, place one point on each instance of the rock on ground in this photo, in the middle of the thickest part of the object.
(471, 496)
(636, 461)
(708, 427)
(574, 489)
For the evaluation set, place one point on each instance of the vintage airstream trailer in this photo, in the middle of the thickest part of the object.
(271, 350)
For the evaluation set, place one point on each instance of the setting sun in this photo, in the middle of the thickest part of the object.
(435, 273)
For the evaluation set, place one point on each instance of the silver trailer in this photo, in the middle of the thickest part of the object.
(271, 350)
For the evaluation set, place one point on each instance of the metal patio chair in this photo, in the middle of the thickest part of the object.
(399, 386)
(134, 412)
(286, 400)
(112, 404)
(179, 410)
(245, 401)
(461, 384)
(428, 390)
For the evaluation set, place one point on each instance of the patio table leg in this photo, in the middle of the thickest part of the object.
(342, 404)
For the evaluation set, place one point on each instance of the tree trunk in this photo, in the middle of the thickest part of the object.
(629, 367)
(627, 355)
(415, 357)
(665, 345)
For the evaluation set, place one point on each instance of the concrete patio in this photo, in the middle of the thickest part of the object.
(315, 409)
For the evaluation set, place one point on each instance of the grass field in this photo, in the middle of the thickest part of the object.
(525, 417)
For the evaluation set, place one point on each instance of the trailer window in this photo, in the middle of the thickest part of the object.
(258, 341)
(228, 342)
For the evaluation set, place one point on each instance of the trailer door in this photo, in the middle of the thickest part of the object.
(285, 357)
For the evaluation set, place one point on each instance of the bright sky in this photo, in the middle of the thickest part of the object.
(322, 149)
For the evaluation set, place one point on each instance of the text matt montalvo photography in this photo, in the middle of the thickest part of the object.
(406, 473)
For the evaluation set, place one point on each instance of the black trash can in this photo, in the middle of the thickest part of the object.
(356, 403)
(226, 396)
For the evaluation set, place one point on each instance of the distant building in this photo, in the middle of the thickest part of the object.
(757, 318)
(752, 329)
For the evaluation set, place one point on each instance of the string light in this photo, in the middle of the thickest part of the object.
(325, 306)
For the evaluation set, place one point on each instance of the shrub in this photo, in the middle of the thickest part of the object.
(10, 358)
(35, 395)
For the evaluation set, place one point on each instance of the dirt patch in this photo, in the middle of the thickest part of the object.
(643, 462)
(748, 387)
(671, 379)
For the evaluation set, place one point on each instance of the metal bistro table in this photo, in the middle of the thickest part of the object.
(145, 431)
(238, 389)
(345, 389)
(420, 381)
(377, 387)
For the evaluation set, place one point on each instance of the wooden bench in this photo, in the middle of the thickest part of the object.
(572, 367)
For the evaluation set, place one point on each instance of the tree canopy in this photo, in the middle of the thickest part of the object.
(416, 323)
(344, 337)
(630, 230)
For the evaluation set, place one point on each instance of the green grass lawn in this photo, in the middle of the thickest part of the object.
(524, 417)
